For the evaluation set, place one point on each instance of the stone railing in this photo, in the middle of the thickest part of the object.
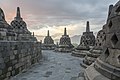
(17, 56)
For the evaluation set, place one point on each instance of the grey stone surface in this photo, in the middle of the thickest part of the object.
(92, 74)
(54, 66)
(107, 66)
(13, 62)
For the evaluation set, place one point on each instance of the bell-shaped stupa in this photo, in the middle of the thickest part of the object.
(6, 31)
(65, 43)
(48, 42)
(86, 43)
(20, 27)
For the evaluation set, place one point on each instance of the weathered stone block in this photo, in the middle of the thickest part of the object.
(14, 61)
(12, 57)
(0, 72)
(13, 73)
(8, 74)
(10, 69)
(15, 52)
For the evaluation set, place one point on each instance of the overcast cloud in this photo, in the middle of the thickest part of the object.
(57, 14)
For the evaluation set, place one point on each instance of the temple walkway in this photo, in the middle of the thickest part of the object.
(54, 66)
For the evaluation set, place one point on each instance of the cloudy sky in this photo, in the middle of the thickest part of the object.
(54, 15)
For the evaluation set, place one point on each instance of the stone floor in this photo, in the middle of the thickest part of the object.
(54, 66)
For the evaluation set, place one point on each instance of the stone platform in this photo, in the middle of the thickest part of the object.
(90, 57)
(102, 71)
(78, 53)
(54, 66)
(91, 74)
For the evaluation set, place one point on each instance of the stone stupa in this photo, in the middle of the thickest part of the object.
(96, 51)
(48, 43)
(20, 27)
(86, 43)
(107, 66)
(65, 43)
(6, 31)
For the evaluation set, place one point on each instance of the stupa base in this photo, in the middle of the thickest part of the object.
(92, 74)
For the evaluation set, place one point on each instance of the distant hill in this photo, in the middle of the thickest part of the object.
(76, 39)
(56, 40)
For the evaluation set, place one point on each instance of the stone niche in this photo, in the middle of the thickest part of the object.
(48, 43)
(16, 54)
(65, 43)
(86, 43)
(107, 66)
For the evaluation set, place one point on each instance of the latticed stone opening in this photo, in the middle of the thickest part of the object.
(100, 36)
(96, 44)
(114, 39)
(107, 53)
(103, 32)
(100, 44)
(110, 24)
(104, 37)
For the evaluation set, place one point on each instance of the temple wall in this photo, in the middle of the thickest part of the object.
(16, 57)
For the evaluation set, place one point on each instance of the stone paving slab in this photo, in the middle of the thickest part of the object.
(54, 66)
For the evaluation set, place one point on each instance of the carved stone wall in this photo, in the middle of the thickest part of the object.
(107, 66)
(18, 48)
(17, 56)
